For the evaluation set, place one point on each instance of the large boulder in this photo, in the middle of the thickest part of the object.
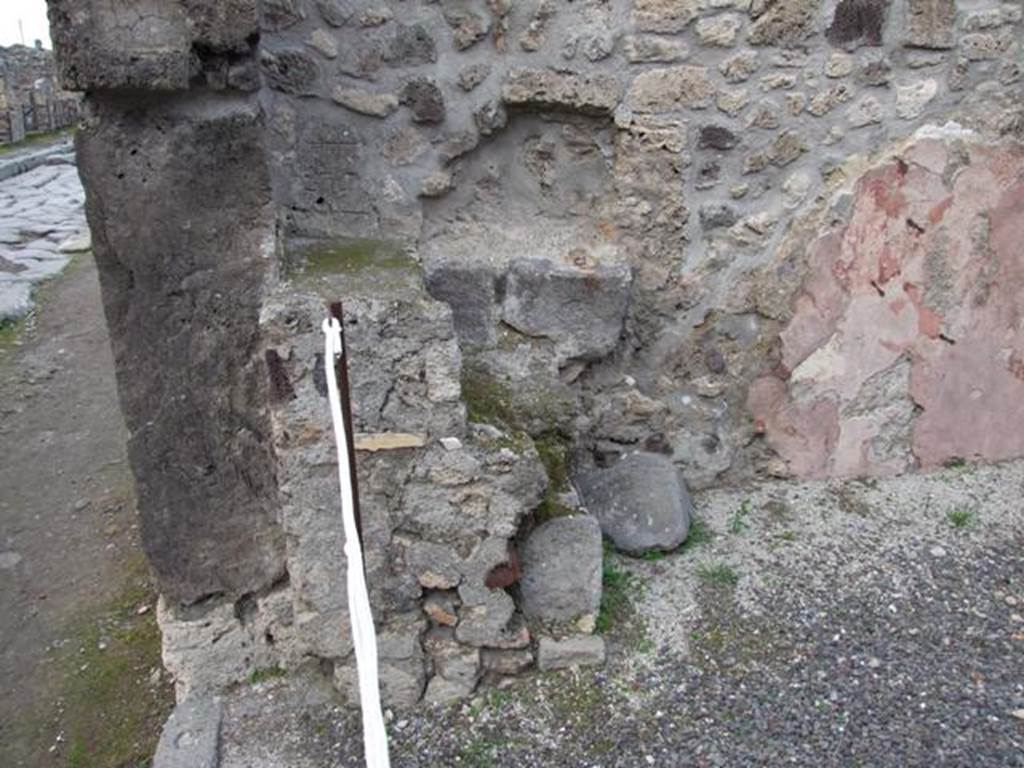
(561, 565)
(640, 502)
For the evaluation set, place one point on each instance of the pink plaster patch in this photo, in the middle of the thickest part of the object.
(906, 347)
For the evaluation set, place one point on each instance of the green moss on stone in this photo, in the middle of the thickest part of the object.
(553, 451)
(349, 255)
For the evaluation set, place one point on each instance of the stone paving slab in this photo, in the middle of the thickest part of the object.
(42, 221)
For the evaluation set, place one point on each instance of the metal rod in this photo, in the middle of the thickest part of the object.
(341, 370)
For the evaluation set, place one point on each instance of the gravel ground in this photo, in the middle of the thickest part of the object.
(853, 623)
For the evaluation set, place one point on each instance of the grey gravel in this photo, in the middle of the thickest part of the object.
(823, 624)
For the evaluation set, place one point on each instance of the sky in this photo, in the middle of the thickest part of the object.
(32, 14)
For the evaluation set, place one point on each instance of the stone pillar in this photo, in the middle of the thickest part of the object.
(179, 203)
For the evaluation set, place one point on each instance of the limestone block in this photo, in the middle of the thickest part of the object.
(786, 22)
(581, 308)
(671, 89)
(584, 651)
(290, 70)
(592, 94)
(664, 15)
(643, 49)
(929, 24)
(191, 736)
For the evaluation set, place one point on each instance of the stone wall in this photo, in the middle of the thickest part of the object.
(31, 100)
(656, 151)
(754, 238)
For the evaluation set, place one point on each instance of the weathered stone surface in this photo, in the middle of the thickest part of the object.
(425, 101)
(716, 137)
(838, 64)
(664, 15)
(561, 564)
(452, 661)
(929, 23)
(490, 118)
(913, 98)
(583, 651)
(857, 22)
(640, 502)
(468, 26)
(276, 15)
(641, 49)
(671, 89)
(733, 101)
(864, 112)
(719, 31)
(197, 202)
(543, 299)
(470, 77)
(595, 94)
(740, 67)
(145, 45)
(506, 662)
(411, 45)
(365, 102)
(191, 736)
(717, 215)
(784, 22)
(935, 255)
(323, 41)
(337, 13)
(290, 70)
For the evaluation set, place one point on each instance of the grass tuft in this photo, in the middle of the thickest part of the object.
(719, 575)
(738, 521)
(961, 517)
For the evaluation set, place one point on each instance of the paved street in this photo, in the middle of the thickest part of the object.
(41, 222)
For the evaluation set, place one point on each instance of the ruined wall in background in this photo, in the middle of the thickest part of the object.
(31, 99)
(757, 238)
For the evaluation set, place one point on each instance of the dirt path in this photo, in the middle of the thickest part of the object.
(69, 563)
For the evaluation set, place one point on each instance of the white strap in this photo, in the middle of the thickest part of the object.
(375, 739)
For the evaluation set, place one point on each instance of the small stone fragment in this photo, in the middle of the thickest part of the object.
(716, 137)
(506, 662)
(581, 651)
(468, 26)
(671, 88)
(732, 102)
(642, 49)
(664, 15)
(867, 111)
(323, 41)
(740, 67)
(911, 99)
(596, 94)
(929, 23)
(364, 102)
(838, 64)
(785, 22)
(289, 71)
(718, 31)
(470, 77)
(425, 100)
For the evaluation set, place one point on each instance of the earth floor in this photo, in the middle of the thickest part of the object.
(79, 649)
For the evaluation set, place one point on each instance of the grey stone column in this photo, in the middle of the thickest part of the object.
(179, 202)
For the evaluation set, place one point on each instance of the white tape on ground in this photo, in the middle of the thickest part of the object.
(375, 738)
